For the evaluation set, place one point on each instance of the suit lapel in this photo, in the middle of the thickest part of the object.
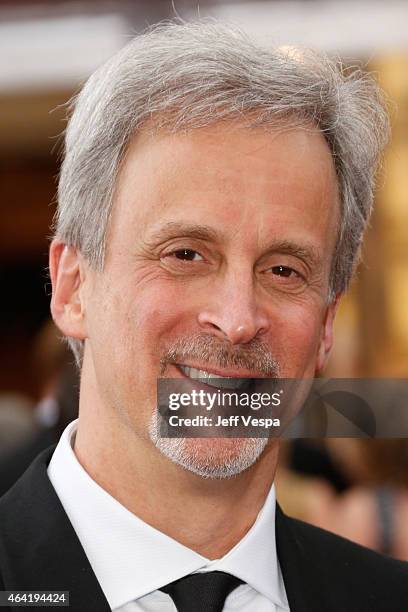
(303, 584)
(39, 549)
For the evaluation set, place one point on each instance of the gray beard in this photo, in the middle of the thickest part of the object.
(217, 466)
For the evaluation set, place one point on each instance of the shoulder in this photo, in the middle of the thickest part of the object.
(14, 463)
(348, 574)
(29, 493)
(29, 513)
(39, 548)
(342, 550)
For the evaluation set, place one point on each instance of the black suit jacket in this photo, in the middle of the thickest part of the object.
(39, 550)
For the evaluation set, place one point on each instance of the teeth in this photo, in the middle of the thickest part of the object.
(214, 380)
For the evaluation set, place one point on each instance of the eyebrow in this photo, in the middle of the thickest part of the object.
(173, 229)
(308, 253)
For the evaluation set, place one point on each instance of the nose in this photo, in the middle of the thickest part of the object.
(233, 312)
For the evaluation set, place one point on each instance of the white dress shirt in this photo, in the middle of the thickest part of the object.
(132, 560)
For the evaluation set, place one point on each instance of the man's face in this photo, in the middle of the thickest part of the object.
(218, 258)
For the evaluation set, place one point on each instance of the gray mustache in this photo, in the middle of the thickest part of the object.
(205, 348)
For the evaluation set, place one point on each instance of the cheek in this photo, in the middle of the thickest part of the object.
(134, 322)
(299, 339)
(157, 310)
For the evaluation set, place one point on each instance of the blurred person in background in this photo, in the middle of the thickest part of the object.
(44, 421)
(374, 510)
(357, 488)
(212, 203)
(16, 421)
(55, 367)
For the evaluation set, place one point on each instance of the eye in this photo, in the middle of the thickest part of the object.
(187, 255)
(284, 278)
(284, 271)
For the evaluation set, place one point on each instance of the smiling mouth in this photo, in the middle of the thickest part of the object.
(215, 380)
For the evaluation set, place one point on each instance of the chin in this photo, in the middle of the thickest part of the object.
(215, 458)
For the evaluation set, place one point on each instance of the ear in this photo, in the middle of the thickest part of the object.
(67, 277)
(326, 340)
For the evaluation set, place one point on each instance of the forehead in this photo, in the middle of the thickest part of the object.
(275, 148)
(227, 172)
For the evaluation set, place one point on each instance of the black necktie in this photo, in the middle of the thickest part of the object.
(201, 592)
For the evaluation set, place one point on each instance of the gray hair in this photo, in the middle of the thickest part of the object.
(189, 75)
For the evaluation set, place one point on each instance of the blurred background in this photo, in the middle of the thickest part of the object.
(48, 49)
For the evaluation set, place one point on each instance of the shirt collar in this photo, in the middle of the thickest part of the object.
(131, 558)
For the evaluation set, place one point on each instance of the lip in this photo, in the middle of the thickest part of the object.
(204, 384)
(218, 371)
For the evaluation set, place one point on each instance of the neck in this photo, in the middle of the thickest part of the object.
(207, 515)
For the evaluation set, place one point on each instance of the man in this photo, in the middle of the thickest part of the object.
(211, 206)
